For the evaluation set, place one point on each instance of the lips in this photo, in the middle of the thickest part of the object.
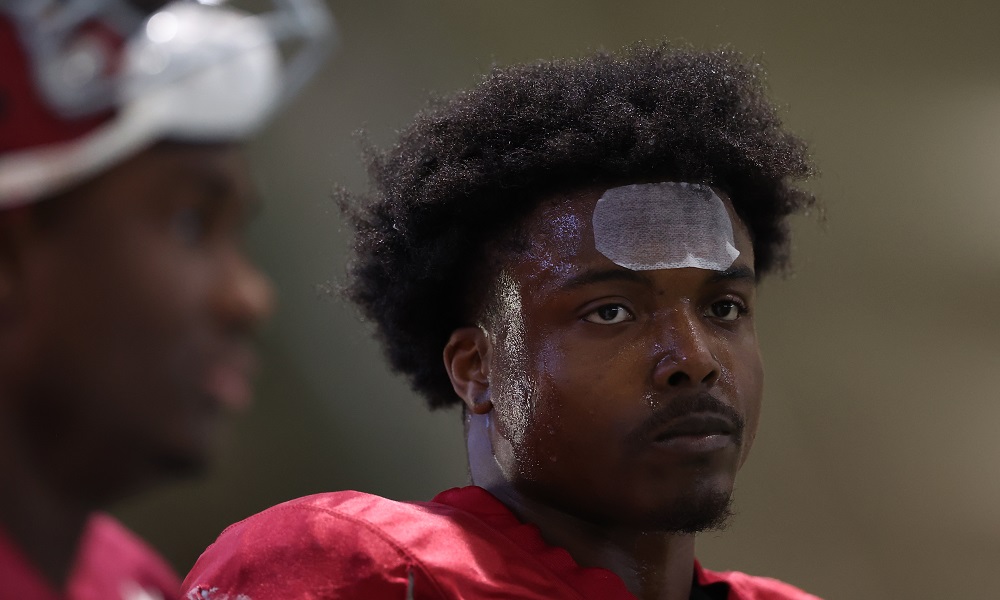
(699, 424)
(228, 380)
(691, 423)
(697, 433)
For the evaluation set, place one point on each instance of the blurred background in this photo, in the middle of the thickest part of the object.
(875, 474)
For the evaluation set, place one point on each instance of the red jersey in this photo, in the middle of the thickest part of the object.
(111, 564)
(463, 544)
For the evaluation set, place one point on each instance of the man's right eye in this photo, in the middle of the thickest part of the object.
(609, 314)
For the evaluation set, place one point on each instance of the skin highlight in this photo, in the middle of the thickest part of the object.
(573, 427)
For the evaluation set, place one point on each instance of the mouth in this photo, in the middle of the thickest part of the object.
(691, 423)
(699, 432)
(228, 380)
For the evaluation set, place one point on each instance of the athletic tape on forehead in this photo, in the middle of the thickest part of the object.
(650, 226)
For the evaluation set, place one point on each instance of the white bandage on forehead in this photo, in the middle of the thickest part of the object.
(666, 225)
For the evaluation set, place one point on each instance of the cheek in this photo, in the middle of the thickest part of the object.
(748, 386)
(580, 393)
(152, 327)
(511, 384)
(529, 405)
(513, 392)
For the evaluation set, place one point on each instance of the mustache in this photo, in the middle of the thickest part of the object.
(683, 406)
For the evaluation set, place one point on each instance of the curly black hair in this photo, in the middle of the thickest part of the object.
(473, 165)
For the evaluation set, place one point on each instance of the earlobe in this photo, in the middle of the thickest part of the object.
(466, 358)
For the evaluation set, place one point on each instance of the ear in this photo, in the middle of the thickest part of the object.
(466, 358)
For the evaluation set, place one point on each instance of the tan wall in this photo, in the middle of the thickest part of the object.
(875, 475)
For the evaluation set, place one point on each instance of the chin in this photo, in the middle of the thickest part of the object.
(143, 473)
(689, 506)
(694, 513)
(186, 451)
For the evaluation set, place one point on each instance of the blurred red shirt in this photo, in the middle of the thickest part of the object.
(111, 563)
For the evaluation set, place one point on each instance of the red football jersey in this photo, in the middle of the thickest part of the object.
(111, 564)
(463, 544)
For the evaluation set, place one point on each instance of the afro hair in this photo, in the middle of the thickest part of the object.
(473, 165)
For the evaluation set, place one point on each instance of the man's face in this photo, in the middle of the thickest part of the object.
(619, 396)
(139, 305)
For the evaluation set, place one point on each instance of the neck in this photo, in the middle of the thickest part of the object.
(40, 517)
(653, 565)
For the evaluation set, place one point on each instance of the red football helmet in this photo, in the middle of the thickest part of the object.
(86, 83)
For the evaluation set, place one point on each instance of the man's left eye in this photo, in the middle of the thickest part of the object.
(726, 310)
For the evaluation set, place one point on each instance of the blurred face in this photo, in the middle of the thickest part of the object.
(619, 396)
(139, 308)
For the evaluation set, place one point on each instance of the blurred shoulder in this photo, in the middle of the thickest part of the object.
(111, 558)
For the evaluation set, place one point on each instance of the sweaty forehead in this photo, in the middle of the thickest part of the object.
(554, 247)
(559, 232)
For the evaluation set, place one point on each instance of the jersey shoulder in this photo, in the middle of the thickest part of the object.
(340, 544)
(351, 545)
(752, 587)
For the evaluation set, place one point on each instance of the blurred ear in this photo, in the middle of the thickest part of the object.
(466, 358)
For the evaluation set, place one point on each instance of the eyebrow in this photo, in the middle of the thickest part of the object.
(736, 273)
(598, 276)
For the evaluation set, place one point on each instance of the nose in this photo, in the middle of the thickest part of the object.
(245, 295)
(685, 358)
